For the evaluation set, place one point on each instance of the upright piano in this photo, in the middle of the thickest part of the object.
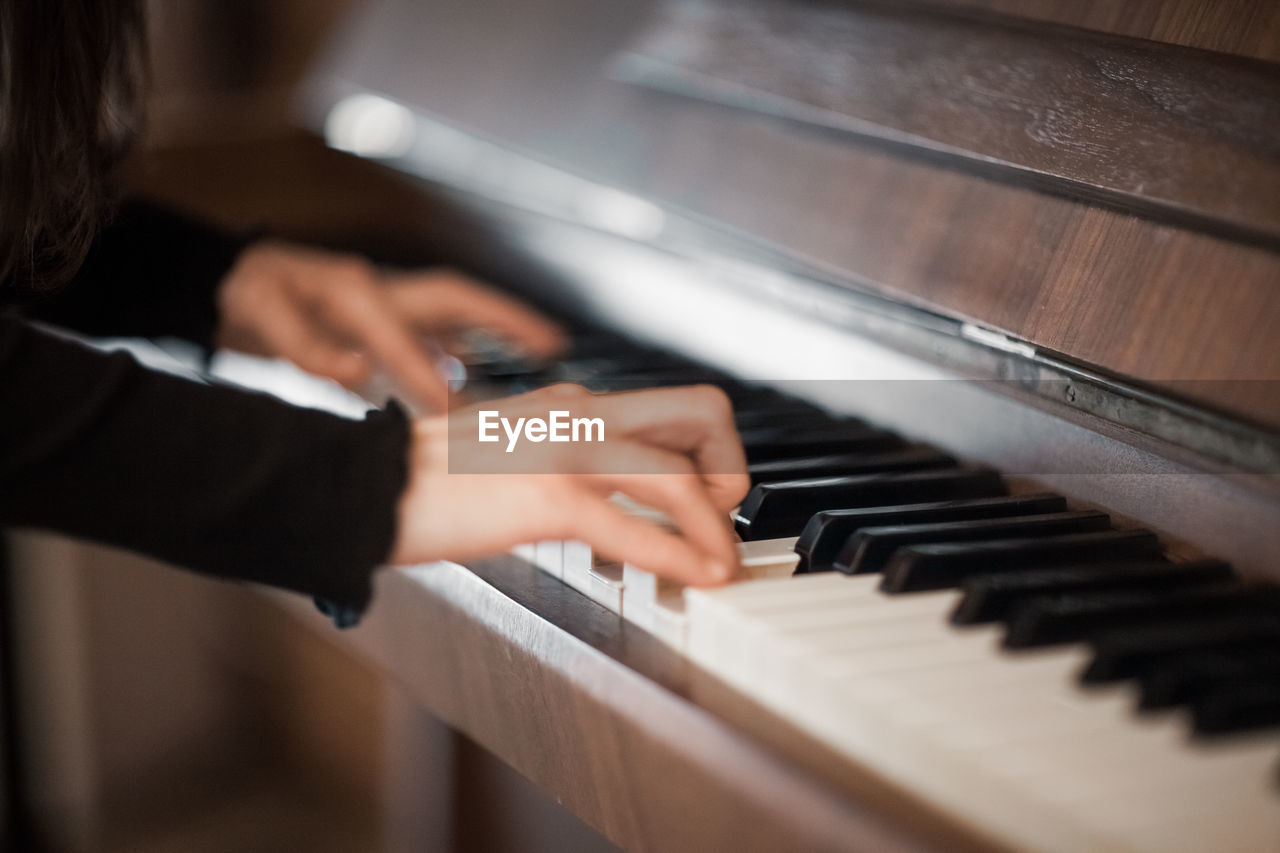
(995, 288)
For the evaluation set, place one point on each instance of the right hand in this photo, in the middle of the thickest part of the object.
(673, 449)
(340, 316)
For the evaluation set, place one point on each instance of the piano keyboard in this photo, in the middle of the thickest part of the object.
(1026, 667)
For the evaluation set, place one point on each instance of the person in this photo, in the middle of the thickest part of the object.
(239, 484)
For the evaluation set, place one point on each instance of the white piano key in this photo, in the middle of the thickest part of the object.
(605, 584)
(1180, 783)
(549, 556)
(769, 548)
(1148, 743)
(670, 622)
(838, 622)
(981, 674)
(930, 651)
(1011, 728)
(809, 642)
(641, 596)
(1238, 813)
(1091, 758)
(1202, 801)
(800, 590)
(574, 558)
(1006, 739)
(579, 564)
(876, 734)
(767, 558)
(645, 588)
(1038, 705)
(760, 638)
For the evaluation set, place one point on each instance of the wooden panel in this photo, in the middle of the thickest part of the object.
(616, 727)
(1175, 134)
(1145, 300)
(147, 714)
(1241, 27)
(499, 811)
(1184, 311)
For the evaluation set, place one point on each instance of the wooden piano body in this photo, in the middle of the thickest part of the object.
(1130, 289)
(1057, 224)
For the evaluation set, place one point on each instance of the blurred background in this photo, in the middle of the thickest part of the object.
(151, 710)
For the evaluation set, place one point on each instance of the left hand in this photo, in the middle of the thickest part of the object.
(675, 450)
(338, 315)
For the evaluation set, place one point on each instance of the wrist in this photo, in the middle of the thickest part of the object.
(425, 457)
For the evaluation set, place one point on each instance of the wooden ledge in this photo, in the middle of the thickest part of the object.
(621, 730)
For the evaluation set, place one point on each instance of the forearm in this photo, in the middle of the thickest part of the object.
(214, 479)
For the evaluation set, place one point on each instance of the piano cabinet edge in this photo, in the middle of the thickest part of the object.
(599, 714)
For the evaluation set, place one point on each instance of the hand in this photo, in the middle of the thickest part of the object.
(338, 315)
(673, 449)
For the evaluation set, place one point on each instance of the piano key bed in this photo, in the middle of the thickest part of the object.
(1018, 663)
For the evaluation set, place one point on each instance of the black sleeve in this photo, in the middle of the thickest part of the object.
(151, 272)
(215, 479)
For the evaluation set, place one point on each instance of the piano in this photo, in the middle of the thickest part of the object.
(994, 287)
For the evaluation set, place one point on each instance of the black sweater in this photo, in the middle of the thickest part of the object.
(219, 480)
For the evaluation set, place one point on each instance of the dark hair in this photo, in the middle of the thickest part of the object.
(69, 102)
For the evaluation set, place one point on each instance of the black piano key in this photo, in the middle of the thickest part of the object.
(599, 342)
(631, 380)
(1236, 707)
(602, 366)
(678, 375)
(772, 412)
(991, 597)
(867, 551)
(847, 464)
(1051, 620)
(772, 510)
(818, 441)
(1131, 652)
(827, 531)
(1186, 678)
(491, 359)
(830, 428)
(752, 397)
(509, 371)
(923, 567)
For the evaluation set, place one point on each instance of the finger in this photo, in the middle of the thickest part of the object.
(362, 311)
(667, 481)
(287, 333)
(618, 536)
(560, 389)
(696, 421)
(445, 300)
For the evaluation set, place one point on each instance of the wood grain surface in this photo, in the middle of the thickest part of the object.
(620, 731)
(1171, 133)
(1241, 27)
(1150, 301)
